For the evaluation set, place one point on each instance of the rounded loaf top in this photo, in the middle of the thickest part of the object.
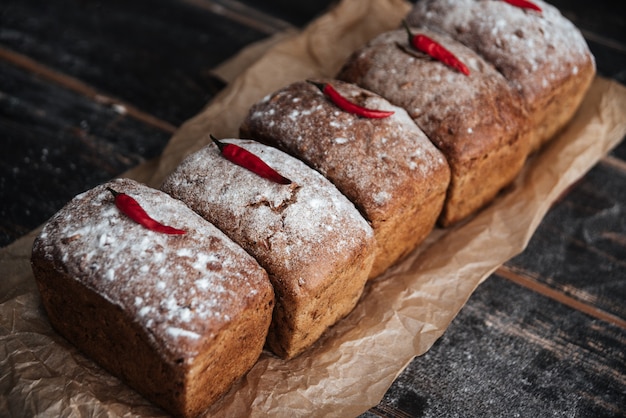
(370, 160)
(532, 49)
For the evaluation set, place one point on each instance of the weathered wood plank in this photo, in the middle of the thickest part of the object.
(610, 58)
(607, 19)
(57, 143)
(77, 86)
(556, 294)
(619, 152)
(580, 247)
(154, 54)
(512, 352)
(297, 13)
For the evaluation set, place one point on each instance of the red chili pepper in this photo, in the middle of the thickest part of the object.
(131, 208)
(431, 47)
(524, 4)
(246, 159)
(344, 104)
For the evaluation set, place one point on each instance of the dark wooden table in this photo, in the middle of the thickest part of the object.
(89, 89)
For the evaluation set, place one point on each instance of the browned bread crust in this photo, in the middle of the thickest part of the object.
(477, 121)
(386, 167)
(314, 244)
(179, 318)
(543, 55)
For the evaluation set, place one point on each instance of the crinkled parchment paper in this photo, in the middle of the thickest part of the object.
(401, 314)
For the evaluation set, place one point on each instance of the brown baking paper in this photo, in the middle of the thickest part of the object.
(401, 314)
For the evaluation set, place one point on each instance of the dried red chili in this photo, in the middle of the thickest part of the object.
(431, 47)
(345, 104)
(131, 208)
(248, 160)
(524, 4)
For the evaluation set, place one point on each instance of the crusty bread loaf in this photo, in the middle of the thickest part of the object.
(542, 54)
(312, 241)
(477, 121)
(177, 317)
(386, 167)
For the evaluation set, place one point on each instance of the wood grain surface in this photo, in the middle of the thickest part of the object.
(89, 89)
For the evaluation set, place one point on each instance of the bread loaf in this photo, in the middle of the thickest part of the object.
(386, 167)
(541, 53)
(177, 317)
(312, 241)
(477, 121)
